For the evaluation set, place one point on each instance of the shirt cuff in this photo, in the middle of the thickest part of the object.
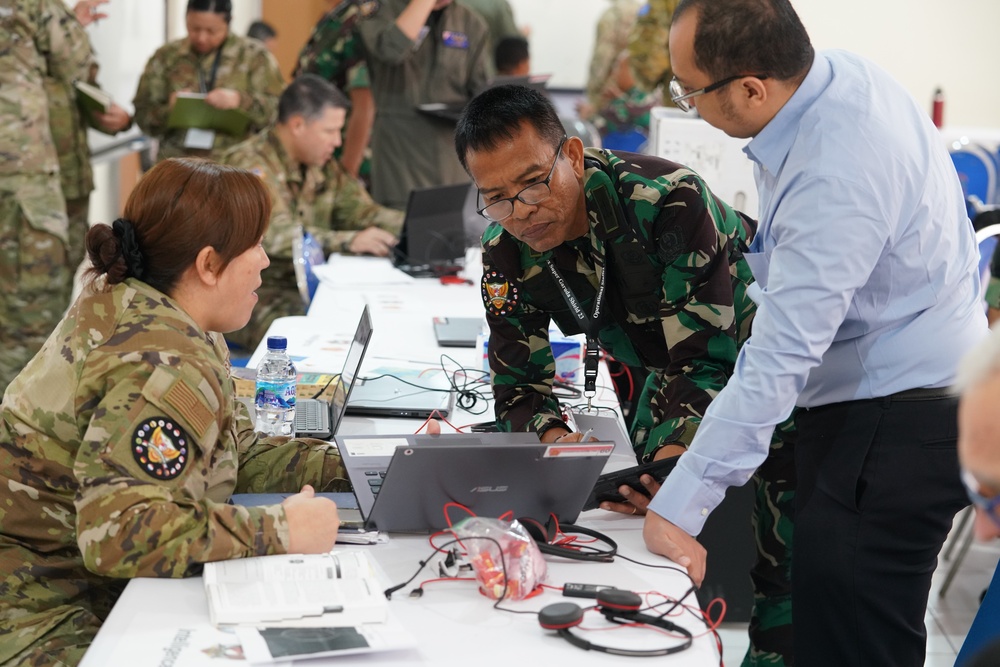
(684, 500)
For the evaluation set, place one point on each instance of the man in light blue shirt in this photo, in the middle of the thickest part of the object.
(869, 295)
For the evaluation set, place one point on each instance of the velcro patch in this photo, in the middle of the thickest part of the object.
(190, 406)
(499, 295)
(160, 447)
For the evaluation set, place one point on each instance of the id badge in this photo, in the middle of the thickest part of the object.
(199, 138)
(454, 39)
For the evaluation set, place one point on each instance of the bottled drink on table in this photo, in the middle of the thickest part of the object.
(275, 396)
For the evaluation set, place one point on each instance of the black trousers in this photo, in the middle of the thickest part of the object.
(878, 487)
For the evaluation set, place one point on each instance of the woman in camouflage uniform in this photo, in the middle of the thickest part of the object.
(234, 72)
(122, 440)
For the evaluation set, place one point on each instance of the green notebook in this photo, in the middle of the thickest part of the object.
(191, 110)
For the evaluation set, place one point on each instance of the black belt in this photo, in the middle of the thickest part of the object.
(922, 394)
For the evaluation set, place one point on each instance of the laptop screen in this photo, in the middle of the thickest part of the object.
(433, 234)
(352, 365)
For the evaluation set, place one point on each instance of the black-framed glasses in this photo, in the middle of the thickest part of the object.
(679, 94)
(535, 193)
(991, 506)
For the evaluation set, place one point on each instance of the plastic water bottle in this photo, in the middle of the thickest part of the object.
(275, 397)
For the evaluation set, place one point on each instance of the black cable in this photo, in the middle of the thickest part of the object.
(335, 376)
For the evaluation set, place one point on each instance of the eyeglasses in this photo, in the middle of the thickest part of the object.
(991, 506)
(679, 94)
(535, 193)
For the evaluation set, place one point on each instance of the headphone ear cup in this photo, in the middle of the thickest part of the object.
(615, 599)
(560, 616)
(538, 531)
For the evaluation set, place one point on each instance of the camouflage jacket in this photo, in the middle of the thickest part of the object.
(38, 41)
(120, 443)
(647, 44)
(680, 312)
(449, 64)
(334, 49)
(246, 66)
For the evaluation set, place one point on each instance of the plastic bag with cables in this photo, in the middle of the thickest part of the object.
(506, 560)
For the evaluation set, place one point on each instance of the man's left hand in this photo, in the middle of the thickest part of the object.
(114, 121)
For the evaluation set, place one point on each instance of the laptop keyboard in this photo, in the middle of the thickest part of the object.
(309, 417)
(375, 478)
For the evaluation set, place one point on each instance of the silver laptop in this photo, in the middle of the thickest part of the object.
(404, 483)
(410, 396)
(316, 418)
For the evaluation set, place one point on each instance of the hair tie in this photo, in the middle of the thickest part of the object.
(134, 261)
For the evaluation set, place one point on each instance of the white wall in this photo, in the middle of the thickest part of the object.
(923, 43)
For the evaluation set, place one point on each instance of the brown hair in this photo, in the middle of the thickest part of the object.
(179, 207)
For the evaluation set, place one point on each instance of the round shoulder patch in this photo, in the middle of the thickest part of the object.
(499, 295)
(160, 447)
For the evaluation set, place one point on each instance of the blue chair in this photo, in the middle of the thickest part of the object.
(985, 627)
(632, 141)
(306, 253)
(977, 172)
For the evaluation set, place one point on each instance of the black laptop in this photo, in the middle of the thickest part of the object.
(432, 241)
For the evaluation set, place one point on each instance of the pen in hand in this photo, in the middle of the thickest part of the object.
(586, 435)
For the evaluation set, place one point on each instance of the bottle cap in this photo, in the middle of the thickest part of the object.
(277, 343)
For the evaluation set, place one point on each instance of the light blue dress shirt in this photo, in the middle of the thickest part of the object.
(867, 268)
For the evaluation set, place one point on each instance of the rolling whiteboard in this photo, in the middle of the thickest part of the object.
(717, 157)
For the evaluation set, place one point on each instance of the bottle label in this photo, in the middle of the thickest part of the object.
(275, 395)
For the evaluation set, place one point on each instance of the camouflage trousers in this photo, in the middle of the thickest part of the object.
(78, 215)
(34, 268)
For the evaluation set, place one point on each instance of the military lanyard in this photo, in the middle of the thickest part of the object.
(208, 86)
(590, 326)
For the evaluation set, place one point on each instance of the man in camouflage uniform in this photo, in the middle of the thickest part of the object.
(647, 44)
(245, 66)
(666, 254)
(124, 469)
(34, 267)
(68, 125)
(334, 52)
(993, 288)
(437, 53)
(308, 189)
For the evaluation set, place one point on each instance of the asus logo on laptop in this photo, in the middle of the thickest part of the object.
(488, 489)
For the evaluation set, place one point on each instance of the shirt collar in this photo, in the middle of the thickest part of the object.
(771, 145)
(291, 167)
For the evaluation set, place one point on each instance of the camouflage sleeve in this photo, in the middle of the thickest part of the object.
(521, 362)
(993, 293)
(152, 97)
(609, 41)
(264, 86)
(144, 466)
(278, 464)
(698, 313)
(63, 43)
(353, 210)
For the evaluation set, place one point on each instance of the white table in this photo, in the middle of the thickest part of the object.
(452, 622)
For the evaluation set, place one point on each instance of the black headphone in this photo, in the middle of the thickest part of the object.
(617, 606)
(543, 534)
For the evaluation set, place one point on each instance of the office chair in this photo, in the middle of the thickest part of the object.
(306, 253)
(632, 141)
(584, 129)
(977, 172)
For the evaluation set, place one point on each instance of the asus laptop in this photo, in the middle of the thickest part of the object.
(432, 240)
(403, 483)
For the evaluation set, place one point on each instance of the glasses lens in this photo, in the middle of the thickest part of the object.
(676, 92)
(534, 194)
(498, 211)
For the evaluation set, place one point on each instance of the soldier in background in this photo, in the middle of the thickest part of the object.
(570, 224)
(68, 125)
(308, 190)
(122, 441)
(420, 52)
(334, 52)
(234, 72)
(34, 233)
(647, 44)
